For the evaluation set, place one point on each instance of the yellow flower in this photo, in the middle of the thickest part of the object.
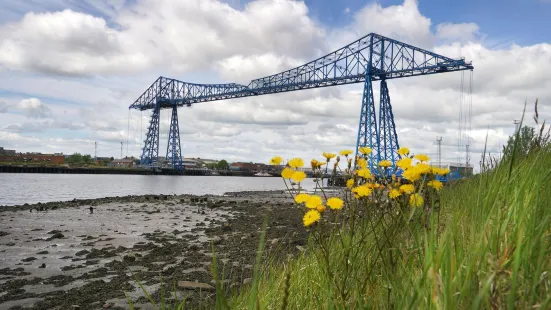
(350, 183)
(443, 171)
(287, 173)
(407, 188)
(276, 160)
(412, 175)
(311, 217)
(316, 164)
(313, 201)
(345, 152)
(296, 162)
(320, 208)
(362, 191)
(394, 193)
(404, 151)
(437, 185)
(335, 203)
(365, 150)
(302, 198)
(415, 200)
(328, 156)
(362, 163)
(404, 163)
(385, 163)
(364, 173)
(422, 168)
(422, 157)
(298, 176)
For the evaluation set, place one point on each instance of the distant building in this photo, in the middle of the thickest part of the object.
(251, 167)
(34, 158)
(122, 163)
(205, 161)
(3, 151)
(191, 163)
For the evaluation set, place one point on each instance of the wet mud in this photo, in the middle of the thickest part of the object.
(87, 254)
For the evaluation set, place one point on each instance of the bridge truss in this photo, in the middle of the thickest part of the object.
(366, 60)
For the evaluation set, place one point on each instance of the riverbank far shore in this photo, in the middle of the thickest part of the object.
(88, 253)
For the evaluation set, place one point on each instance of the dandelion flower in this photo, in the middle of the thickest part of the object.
(404, 151)
(362, 163)
(407, 188)
(316, 164)
(364, 173)
(422, 168)
(350, 183)
(287, 173)
(328, 156)
(365, 150)
(345, 152)
(313, 201)
(320, 208)
(416, 200)
(385, 163)
(335, 203)
(298, 176)
(404, 163)
(412, 175)
(302, 198)
(422, 157)
(276, 160)
(311, 217)
(362, 191)
(296, 162)
(443, 171)
(437, 185)
(394, 193)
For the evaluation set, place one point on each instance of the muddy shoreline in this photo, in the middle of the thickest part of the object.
(61, 255)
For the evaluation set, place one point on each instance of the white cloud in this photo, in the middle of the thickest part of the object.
(462, 32)
(180, 35)
(33, 108)
(402, 22)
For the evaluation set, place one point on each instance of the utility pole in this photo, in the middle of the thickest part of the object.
(121, 149)
(516, 122)
(466, 157)
(439, 142)
(95, 151)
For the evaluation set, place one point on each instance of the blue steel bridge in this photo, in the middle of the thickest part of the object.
(366, 60)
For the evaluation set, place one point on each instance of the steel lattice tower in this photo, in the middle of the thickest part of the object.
(150, 153)
(173, 149)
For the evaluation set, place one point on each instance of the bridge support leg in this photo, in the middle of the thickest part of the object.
(367, 131)
(150, 151)
(173, 149)
(388, 139)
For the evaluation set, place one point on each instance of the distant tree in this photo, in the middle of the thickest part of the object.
(223, 165)
(136, 162)
(75, 159)
(112, 158)
(525, 142)
(87, 159)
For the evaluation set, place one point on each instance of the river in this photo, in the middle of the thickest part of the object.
(20, 188)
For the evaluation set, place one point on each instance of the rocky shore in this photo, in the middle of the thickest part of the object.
(85, 254)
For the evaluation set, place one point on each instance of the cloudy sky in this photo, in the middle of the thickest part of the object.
(71, 68)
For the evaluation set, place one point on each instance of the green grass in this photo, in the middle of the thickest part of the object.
(488, 246)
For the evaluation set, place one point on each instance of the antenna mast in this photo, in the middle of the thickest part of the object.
(439, 142)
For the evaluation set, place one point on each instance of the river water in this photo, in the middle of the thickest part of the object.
(20, 188)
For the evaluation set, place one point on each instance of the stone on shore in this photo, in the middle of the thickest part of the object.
(188, 285)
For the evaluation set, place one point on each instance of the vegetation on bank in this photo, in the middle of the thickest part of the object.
(481, 243)
(484, 242)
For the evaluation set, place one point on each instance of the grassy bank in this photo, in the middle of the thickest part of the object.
(485, 244)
